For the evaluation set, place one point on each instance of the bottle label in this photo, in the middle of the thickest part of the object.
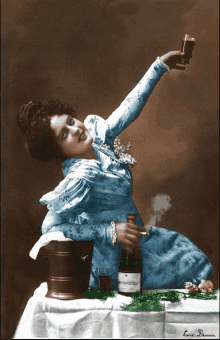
(129, 282)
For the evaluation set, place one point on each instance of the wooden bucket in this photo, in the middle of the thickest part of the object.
(69, 267)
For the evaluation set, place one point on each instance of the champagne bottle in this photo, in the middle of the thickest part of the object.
(130, 268)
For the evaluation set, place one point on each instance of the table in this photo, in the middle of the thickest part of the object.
(91, 318)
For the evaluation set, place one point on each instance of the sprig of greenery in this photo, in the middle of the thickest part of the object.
(96, 293)
(170, 295)
(149, 301)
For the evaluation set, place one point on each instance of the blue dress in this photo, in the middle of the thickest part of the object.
(96, 192)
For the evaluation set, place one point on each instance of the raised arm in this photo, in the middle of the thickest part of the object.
(133, 104)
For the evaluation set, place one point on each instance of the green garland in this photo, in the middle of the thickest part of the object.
(149, 301)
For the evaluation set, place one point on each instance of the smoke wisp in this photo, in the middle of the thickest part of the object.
(160, 204)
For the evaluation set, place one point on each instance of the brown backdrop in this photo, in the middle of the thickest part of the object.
(90, 54)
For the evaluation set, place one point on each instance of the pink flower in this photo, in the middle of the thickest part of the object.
(206, 286)
(191, 287)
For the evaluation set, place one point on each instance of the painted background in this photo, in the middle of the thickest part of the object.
(90, 53)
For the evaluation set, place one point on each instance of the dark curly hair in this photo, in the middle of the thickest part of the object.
(34, 122)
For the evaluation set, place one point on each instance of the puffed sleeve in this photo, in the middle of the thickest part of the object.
(64, 203)
(70, 196)
(132, 105)
(67, 200)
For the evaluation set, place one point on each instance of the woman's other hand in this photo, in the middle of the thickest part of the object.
(129, 234)
(173, 58)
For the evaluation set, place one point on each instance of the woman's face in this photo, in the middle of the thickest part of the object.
(72, 136)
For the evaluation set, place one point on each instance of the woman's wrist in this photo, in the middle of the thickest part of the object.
(163, 63)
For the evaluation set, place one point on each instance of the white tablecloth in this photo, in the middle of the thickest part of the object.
(91, 318)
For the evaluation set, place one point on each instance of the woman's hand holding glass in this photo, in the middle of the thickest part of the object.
(129, 234)
(173, 58)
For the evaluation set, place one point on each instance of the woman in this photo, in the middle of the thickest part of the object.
(92, 201)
